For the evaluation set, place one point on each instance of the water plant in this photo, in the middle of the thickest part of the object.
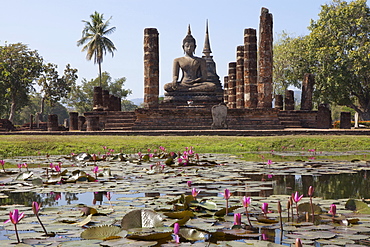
(296, 198)
(333, 210)
(2, 163)
(176, 230)
(15, 217)
(265, 209)
(227, 196)
(194, 192)
(246, 202)
(36, 209)
(310, 194)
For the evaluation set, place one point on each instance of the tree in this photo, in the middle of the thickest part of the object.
(290, 62)
(81, 96)
(340, 43)
(19, 67)
(53, 87)
(336, 51)
(34, 106)
(94, 39)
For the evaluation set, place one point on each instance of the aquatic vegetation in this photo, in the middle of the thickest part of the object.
(15, 218)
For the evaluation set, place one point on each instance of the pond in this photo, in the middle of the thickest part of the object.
(134, 183)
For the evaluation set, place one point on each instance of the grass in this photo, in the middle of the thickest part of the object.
(31, 145)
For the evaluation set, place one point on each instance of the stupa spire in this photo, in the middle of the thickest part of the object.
(207, 47)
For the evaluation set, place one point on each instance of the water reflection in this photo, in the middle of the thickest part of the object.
(327, 186)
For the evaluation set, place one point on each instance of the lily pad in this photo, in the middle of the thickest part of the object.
(141, 218)
(101, 232)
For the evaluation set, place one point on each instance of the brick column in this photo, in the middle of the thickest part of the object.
(265, 60)
(345, 120)
(73, 121)
(53, 122)
(279, 102)
(105, 97)
(323, 118)
(239, 77)
(232, 86)
(151, 67)
(250, 68)
(98, 98)
(307, 90)
(289, 100)
(226, 89)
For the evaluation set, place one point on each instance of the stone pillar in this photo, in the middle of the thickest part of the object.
(250, 68)
(111, 103)
(307, 90)
(289, 100)
(92, 123)
(356, 120)
(239, 77)
(31, 121)
(232, 86)
(37, 120)
(105, 99)
(323, 118)
(98, 99)
(226, 89)
(81, 122)
(151, 67)
(345, 120)
(52, 122)
(265, 60)
(279, 102)
(73, 121)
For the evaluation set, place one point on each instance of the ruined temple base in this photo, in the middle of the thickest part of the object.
(183, 99)
(200, 118)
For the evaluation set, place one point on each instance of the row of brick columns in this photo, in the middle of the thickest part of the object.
(246, 86)
(103, 101)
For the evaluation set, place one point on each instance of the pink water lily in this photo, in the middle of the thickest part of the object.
(2, 163)
(189, 183)
(310, 194)
(194, 192)
(36, 209)
(15, 217)
(296, 197)
(226, 194)
(176, 230)
(333, 210)
(237, 219)
(265, 208)
(246, 201)
(310, 191)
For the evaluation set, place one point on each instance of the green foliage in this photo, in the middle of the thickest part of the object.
(81, 96)
(19, 67)
(336, 51)
(290, 62)
(33, 107)
(94, 39)
(53, 87)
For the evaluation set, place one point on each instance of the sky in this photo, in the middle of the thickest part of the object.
(52, 27)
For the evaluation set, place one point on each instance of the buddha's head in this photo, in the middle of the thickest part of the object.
(189, 44)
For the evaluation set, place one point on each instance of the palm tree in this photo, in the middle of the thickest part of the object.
(94, 35)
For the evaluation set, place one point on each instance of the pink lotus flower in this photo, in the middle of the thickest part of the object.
(333, 210)
(296, 197)
(15, 217)
(57, 168)
(189, 183)
(269, 162)
(194, 192)
(226, 194)
(246, 201)
(176, 228)
(36, 209)
(310, 191)
(237, 219)
(265, 208)
(2, 163)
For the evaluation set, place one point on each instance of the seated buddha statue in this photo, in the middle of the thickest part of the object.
(194, 70)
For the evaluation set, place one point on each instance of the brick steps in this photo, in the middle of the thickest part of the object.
(116, 120)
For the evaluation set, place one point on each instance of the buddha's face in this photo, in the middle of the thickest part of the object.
(189, 48)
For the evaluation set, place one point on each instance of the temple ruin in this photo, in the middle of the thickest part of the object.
(246, 95)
